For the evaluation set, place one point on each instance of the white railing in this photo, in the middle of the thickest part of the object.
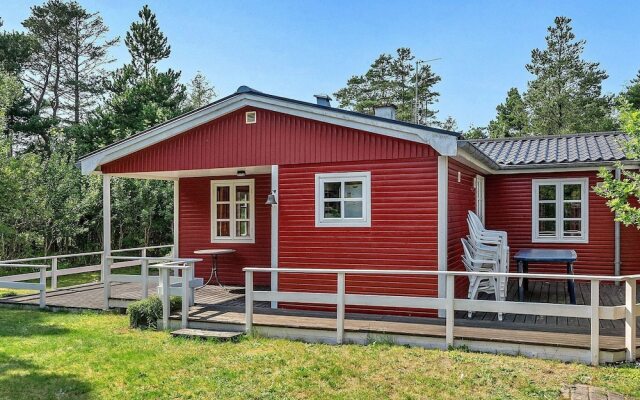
(594, 311)
(170, 264)
(41, 286)
(54, 272)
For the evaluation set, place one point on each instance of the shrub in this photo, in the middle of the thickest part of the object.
(145, 313)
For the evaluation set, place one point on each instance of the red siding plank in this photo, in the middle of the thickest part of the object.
(276, 139)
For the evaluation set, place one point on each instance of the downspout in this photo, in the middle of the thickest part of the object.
(616, 259)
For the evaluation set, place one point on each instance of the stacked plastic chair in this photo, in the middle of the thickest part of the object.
(485, 251)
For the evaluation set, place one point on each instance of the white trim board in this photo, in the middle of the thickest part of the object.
(442, 143)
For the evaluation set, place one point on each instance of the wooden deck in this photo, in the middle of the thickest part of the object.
(223, 309)
(213, 301)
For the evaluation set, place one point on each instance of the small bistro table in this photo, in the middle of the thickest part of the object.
(214, 253)
(550, 256)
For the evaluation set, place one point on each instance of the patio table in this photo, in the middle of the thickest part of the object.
(550, 256)
(214, 253)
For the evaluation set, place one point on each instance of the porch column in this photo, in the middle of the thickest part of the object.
(274, 233)
(443, 194)
(106, 238)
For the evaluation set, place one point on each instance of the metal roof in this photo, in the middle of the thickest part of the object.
(576, 149)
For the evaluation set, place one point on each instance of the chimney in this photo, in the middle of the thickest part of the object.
(387, 111)
(323, 100)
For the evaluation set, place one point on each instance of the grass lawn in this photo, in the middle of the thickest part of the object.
(46, 355)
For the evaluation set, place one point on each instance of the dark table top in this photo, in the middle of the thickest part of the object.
(546, 255)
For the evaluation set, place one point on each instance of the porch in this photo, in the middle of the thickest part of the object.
(566, 338)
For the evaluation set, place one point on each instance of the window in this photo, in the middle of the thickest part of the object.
(232, 211)
(343, 199)
(560, 210)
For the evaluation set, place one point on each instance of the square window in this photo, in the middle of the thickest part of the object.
(343, 199)
(560, 210)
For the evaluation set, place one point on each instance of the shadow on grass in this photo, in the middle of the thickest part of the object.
(21, 323)
(21, 379)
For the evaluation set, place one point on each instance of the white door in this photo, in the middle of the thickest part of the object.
(480, 197)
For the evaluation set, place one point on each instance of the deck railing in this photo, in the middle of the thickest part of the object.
(49, 269)
(593, 311)
(169, 264)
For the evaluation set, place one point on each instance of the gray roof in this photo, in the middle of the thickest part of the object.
(602, 147)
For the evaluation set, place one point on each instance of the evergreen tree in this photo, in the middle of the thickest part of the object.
(201, 92)
(449, 124)
(146, 43)
(391, 80)
(476, 132)
(632, 92)
(86, 52)
(512, 119)
(565, 95)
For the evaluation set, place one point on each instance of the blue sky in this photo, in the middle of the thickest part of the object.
(299, 48)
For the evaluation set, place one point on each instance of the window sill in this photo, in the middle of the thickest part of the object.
(561, 241)
(232, 241)
(360, 224)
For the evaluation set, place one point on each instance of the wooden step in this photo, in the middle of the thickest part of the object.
(206, 334)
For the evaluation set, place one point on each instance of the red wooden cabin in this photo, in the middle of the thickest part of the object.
(361, 191)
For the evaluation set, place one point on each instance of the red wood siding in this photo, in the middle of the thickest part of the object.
(403, 233)
(195, 231)
(462, 198)
(508, 208)
(629, 250)
(276, 139)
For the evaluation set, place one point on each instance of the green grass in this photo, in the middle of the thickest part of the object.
(47, 355)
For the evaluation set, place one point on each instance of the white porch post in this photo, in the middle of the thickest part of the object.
(176, 219)
(106, 238)
(443, 194)
(274, 233)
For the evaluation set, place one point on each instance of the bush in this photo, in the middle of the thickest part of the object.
(146, 313)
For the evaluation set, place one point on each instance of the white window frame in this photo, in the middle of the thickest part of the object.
(342, 177)
(559, 218)
(233, 183)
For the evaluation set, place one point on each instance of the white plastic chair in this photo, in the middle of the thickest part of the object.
(476, 262)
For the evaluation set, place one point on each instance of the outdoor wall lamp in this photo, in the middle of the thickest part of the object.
(271, 199)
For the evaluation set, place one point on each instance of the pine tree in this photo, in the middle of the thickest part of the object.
(632, 92)
(512, 119)
(146, 43)
(392, 80)
(86, 52)
(476, 132)
(565, 95)
(201, 92)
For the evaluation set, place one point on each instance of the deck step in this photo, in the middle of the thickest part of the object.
(206, 334)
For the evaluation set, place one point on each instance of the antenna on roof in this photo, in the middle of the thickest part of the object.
(418, 62)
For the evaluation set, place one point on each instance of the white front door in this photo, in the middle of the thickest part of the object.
(480, 197)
